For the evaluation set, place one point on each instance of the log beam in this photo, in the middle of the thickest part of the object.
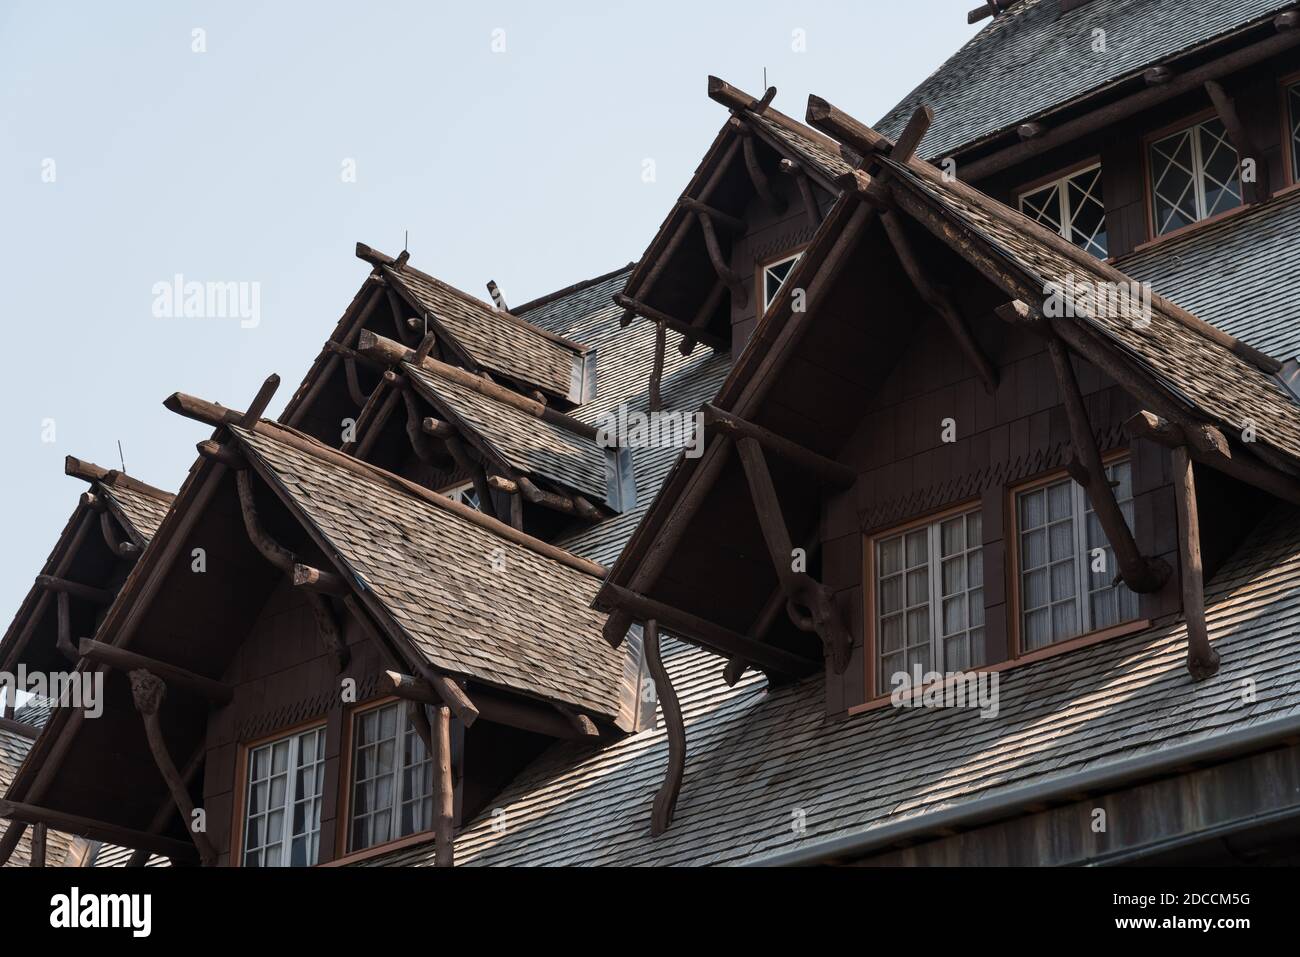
(139, 858)
(833, 473)
(1255, 191)
(657, 369)
(938, 299)
(260, 401)
(1140, 573)
(147, 691)
(117, 544)
(1202, 660)
(672, 322)
(802, 591)
(715, 637)
(665, 802)
(96, 830)
(63, 586)
(495, 707)
(918, 124)
(123, 659)
(733, 224)
(63, 616)
(11, 726)
(445, 802)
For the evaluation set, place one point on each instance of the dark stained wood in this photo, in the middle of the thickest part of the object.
(665, 802)
(28, 731)
(260, 401)
(657, 370)
(38, 845)
(123, 659)
(1202, 660)
(275, 553)
(95, 830)
(918, 124)
(98, 596)
(445, 800)
(739, 294)
(791, 168)
(167, 809)
(672, 322)
(328, 627)
(1140, 573)
(147, 691)
(828, 470)
(496, 707)
(702, 316)
(117, 544)
(728, 222)
(1226, 108)
(757, 176)
(64, 642)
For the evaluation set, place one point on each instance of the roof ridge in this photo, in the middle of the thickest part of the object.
(114, 478)
(569, 290)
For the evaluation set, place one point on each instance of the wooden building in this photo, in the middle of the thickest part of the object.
(999, 394)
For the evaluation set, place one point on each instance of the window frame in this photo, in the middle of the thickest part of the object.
(239, 824)
(1148, 186)
(871, 644)
(1017, 652)
(343, 852)
(1064, 176)
(794, 254)
(1290, 124)
(457, 494)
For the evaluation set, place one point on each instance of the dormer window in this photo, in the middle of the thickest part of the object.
(1067, 567)
(1072, 206)
(282, 800)
(775, 275)
(1293, 125)
(464, 494)
(1195, 174)
(391, 780)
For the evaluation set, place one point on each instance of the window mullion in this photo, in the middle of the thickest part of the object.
(1198, 172)
(936, 599)
(1063, 201)
(1082, 557)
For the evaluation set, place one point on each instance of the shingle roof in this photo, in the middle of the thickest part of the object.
(144, 512)
(455, 587)
(497, 340)
(1241, 274)
(1217, 382)
(527, 443)
(13, 749)
(756, 758)
(1033, 58)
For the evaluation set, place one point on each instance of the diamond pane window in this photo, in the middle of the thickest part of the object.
(464, 494)
(1293, 124)
(1194, 175)
(1072, 206)
(282, 802)
(929, 597)
(392, 778)
(775, 275)
(1067, 567)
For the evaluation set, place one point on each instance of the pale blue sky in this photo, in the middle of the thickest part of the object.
(523, 166)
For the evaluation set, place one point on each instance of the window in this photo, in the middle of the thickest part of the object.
(1293, 127)
(1072, 206)
(775, 275)
(464, 494)
(1194, 175)
(392, 778)
(283, 800)
(929, 598)
(1064, 555)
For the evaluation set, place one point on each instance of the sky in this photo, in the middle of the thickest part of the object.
(256, 144)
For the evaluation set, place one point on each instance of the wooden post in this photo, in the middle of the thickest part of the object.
(148, 690)
(444, 847)
(64, 640)
(1140, 573)
(657, 370)
(38, 846)
(1202, 660)
(665, 802)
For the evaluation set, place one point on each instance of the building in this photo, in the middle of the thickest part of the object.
(997, 394)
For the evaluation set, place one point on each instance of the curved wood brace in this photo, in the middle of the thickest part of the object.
(355, 393)
(271, 550)
(666, 799)
(116, 544)
(64, 642)
(720, 263)
(148, 690)
(759, 178)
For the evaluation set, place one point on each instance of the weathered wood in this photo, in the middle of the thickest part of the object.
(167, 808)
(724, 272)
(1140, 573)
(227, 455)
(1255, 191)
(1154, 76)
(1202, 660)
(395, 305)
(19, 728)
(1030, 131)
(147, 691)
(711, 635)
(114, 478)
(657, 369)
(63, 641)
(492, 706)
(791, 168)
(472, 466)
(672, 322)
(1242, 467)
(801, 589)
(261, 401)
(438, 429)
(368, 299)
(762, 185)
(665, 802)
(355, 392)
(833, 473)
(583, 725)
(445, 809)
(117, 544)
(95, 830)
(377, 400)
(421, 444)
(938, 299)
(275, 553)
(702, 316)
(918, 124)
(727, 221)
(38, 845)
(98, 596)
(123, 659)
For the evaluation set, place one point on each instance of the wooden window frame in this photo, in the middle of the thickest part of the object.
(871, 637)
(1056, 179)
(1290, 148)
(1148, 187)
(244, 751)
(795, 253)
(343, 830)
(1016, 650)
(457, 494)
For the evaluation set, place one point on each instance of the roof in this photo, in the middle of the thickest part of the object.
(497, 340)
(453, 585)
(756, 758)
(527, 443)
(144, 512)
(622, 378)
(13, 749)
(1033, 58)
(1212, 378)
(1242, 274)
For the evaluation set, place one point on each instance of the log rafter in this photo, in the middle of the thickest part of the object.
(828, 470)
(112, 656)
